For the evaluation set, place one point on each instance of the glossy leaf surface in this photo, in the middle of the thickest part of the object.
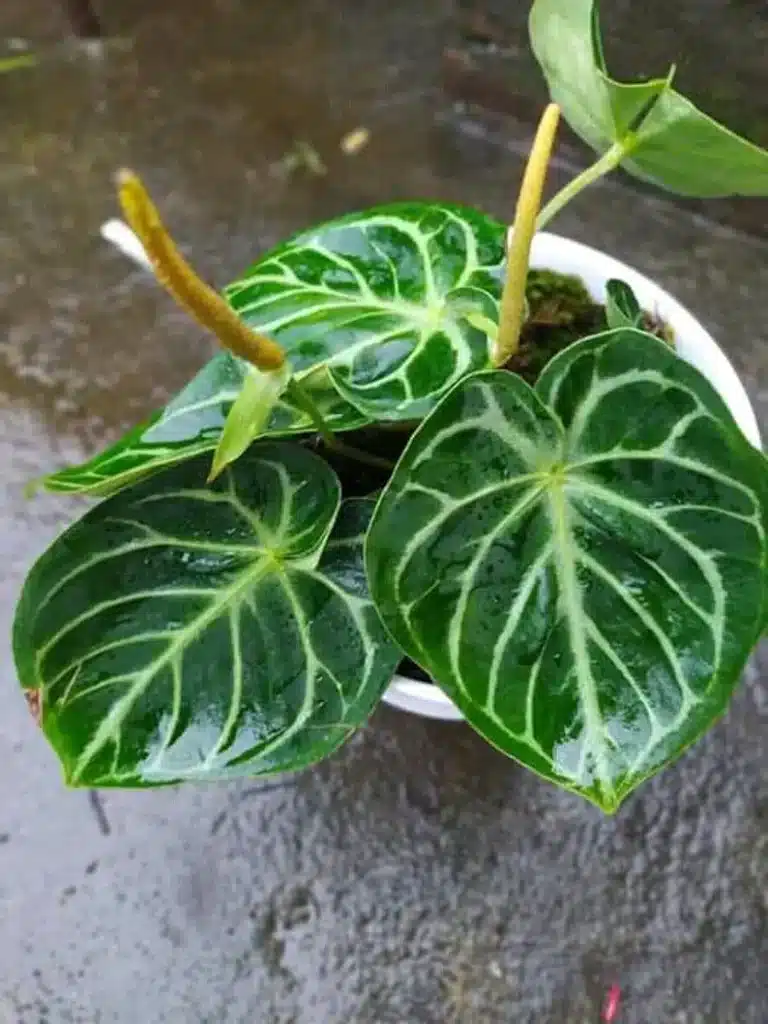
(581, 566)
(665, 138)
(191, 424)
(398, 303)
(184, 632)
(389, 299)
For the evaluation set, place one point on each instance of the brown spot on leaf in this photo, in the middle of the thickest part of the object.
(35, 704)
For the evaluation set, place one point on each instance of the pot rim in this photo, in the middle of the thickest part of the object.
(692, 342)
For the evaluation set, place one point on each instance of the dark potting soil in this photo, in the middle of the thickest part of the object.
(411, 670)
(561, 311)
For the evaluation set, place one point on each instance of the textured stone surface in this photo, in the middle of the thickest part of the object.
(418, 877)
(697, 36)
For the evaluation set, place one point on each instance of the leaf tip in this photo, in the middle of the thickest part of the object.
(218, 465)
(603, 795)
(608, 801)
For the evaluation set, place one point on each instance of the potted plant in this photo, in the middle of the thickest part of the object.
(526, 480)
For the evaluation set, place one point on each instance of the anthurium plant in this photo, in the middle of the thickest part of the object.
(361, 476)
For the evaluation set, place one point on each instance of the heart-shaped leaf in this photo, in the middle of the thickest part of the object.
(193, 423)
(660, 136)
(179, 632)
(390, 300)
(621, 306)
(582, 567)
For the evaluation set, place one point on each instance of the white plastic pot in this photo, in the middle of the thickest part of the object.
(693, 343)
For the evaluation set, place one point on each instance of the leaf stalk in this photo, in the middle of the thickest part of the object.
(301, 396)
(608, 162)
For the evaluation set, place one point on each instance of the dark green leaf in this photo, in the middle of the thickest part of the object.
(193, 423)
(621, 306)
(380, 313)
(582, 566)
(389, 299)
(674, 145)
(179, 632)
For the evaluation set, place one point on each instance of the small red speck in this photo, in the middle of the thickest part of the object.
(611, 1005)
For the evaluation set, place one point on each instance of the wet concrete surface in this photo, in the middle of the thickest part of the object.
(698, 37)
(418, 877)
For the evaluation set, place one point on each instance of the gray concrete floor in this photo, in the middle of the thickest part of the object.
(418, 877)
